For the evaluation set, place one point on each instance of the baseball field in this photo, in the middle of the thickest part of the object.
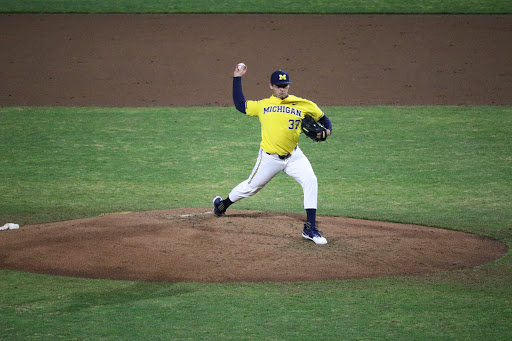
(117, 130)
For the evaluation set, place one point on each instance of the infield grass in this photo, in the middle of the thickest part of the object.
(258, 6)
(441, 166)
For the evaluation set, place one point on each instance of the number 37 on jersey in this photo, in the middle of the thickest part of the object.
(293, 124)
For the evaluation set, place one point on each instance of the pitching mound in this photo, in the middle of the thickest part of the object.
(244, 246)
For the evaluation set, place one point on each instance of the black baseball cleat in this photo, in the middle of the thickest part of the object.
(218, 207)
(312, 233)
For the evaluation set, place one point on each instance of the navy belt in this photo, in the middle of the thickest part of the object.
(282, 157)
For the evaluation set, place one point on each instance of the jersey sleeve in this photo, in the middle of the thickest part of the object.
(252, 108)
(315, 111)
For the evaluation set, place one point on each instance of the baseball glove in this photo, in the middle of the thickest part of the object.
(311, 128)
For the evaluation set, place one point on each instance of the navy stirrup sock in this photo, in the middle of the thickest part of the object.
(226, 203)
(311, 216)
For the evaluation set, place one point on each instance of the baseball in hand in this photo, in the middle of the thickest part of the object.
(240, 66)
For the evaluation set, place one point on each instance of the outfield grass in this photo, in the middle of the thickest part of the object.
(258, 6)
(441, 166)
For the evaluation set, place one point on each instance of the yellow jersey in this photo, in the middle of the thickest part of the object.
(280, 121)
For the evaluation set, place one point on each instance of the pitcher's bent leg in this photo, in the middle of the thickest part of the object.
(265, 169)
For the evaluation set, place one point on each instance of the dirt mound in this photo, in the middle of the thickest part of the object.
(244, 246)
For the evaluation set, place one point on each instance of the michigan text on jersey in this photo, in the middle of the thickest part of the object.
(284, 109)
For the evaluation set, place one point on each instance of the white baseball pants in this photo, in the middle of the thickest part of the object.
(267, 166)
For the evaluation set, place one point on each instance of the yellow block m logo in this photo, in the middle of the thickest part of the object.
(282, 77)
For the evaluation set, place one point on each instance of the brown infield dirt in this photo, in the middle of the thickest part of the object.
(187, 60)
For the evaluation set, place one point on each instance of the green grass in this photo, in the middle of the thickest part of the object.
(439, 166)
(51, 308)
(258, 6)
(387, 163)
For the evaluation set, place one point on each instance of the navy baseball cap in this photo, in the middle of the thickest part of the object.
(280, 77)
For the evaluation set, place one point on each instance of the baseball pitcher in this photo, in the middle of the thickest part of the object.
(281, 117)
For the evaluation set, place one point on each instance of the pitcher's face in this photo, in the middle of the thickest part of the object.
(280, 91)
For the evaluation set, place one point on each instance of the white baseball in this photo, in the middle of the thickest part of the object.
(240, 66)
